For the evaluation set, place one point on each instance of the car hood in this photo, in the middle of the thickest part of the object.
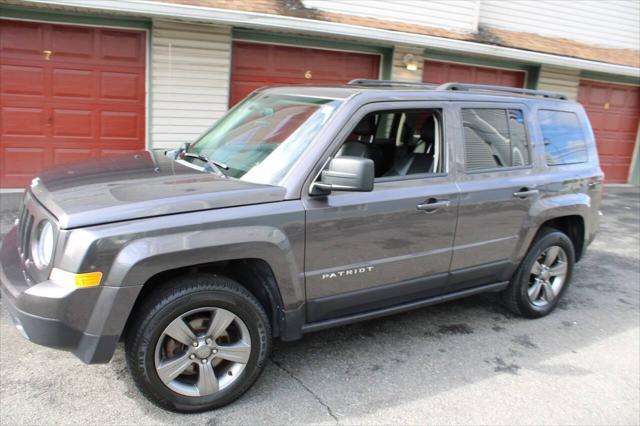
(138, 185)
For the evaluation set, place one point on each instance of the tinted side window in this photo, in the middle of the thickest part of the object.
(563, 137)
(494, 138)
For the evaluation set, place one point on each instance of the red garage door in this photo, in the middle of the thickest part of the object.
(614, 111)
(443, 72)
(67, 93)
(255, 65)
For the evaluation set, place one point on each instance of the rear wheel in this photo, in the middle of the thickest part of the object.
(543, 275)
(198, 343)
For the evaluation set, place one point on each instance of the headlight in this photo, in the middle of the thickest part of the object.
(43, 249)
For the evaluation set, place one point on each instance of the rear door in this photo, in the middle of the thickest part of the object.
(369, 250)
(498, 184)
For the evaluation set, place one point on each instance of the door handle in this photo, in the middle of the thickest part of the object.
(526, 193)
(432, 205)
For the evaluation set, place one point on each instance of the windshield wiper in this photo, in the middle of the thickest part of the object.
(215, 165)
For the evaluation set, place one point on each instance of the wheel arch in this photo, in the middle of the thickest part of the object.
(261, 258)
(254, 274)
(573, 226)
(568, 213)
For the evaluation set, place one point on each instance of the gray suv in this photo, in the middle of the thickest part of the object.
(303, 208)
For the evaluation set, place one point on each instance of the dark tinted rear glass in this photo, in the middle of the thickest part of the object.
(564, 141)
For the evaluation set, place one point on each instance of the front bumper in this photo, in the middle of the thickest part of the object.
(86, 321)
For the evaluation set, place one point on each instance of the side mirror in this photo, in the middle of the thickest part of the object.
(345, 174)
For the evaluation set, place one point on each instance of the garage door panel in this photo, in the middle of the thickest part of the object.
(70, 155)
(612, 123)
(614, 113)
(255, 65)
(618, 98)
(89, 95)
(598, 94)
(23, 162)
(23, 121)
(21, 40)
(22, 80)
(512, 79)
(597, 119)
(488, 76)
(72, 123)
(287, 60)
(119, 46)
(247, 59)
(324, 65)
(119, 125)
(72, 83)
(435, 74)
(121, 86)
(616, 168)
(613, 147)
(439, 72)
(114, 152)
(461, 74)
(629, 124)
(72, 44)
(364, 65)
(633, 100)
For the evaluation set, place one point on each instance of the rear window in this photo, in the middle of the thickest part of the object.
(494, 138)
(564, 141)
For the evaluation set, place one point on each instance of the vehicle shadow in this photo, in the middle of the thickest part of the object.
(355, 370)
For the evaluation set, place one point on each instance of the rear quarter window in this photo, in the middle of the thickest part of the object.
(494, 138)
(564, 139)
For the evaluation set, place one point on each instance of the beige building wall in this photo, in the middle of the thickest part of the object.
(190, 70)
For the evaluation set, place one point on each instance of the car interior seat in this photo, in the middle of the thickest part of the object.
(416, 156)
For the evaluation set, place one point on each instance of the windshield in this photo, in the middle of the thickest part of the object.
(259, 140)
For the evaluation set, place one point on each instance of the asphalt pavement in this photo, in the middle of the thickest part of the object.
(464, 362)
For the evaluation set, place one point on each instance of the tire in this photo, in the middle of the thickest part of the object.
(526, 281)
(197, 301)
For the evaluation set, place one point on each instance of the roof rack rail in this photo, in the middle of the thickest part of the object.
(530, 92)
(389, 83)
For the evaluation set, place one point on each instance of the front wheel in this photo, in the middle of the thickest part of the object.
(543, 275)
(197, 343)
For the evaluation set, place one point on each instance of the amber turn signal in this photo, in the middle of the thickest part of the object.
(89, 279)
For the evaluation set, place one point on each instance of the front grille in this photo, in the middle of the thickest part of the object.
(25, 226)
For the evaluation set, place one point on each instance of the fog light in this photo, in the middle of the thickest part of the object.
(89, 279)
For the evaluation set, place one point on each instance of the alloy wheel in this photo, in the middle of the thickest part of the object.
(202, 351)
(548, 275)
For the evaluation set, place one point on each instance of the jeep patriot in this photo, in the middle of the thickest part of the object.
(303, 208)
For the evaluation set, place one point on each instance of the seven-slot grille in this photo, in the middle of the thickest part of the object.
(25, 227)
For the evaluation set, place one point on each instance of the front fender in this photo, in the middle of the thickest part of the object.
(130, 253)
(143, 258)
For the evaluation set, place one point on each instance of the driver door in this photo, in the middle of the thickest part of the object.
(370, 250)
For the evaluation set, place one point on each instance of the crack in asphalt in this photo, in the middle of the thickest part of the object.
(317, 398)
